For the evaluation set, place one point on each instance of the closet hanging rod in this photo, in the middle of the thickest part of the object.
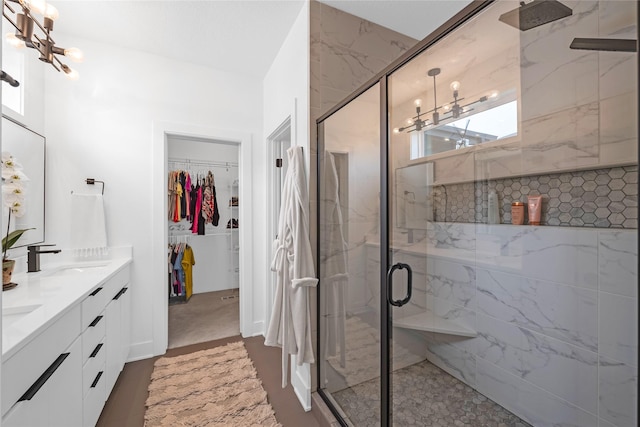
(201, 163)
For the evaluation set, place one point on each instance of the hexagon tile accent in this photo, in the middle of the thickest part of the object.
(604, 198)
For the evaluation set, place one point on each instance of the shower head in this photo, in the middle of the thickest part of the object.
(536, 13)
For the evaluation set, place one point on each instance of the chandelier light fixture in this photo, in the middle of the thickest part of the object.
(450, 110)
(30, 32)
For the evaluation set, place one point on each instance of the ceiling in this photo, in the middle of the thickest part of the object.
(232, 35)
(414, 18)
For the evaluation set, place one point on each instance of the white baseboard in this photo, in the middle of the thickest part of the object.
(140, 351)
(300, 381)
(257, 328)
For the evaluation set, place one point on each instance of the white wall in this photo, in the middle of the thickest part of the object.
(101, 126)
(215, 260)
(286, 88)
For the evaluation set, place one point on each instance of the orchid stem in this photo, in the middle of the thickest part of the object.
(6, 240)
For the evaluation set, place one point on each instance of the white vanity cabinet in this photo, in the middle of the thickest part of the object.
(63, 375)
(118, 318)
(42, 383)
(102, 319)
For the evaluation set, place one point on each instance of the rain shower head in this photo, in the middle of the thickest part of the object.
(536, 13)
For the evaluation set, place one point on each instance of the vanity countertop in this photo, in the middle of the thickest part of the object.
(41, 298)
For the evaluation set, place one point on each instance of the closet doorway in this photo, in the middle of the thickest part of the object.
(203, 240)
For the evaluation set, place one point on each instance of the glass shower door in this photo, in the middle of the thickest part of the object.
(349, 259)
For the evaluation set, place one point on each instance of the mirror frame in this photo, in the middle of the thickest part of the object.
(34, 197)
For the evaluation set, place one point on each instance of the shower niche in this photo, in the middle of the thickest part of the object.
(536, 323)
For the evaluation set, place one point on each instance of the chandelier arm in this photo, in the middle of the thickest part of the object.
(44, 30)
(10, 21)
(38, 45)
(8, 7)
(55, 59)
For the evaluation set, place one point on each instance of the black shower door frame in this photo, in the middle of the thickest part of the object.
(382, 78)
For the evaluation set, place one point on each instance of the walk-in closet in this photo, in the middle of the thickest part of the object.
(203, 246)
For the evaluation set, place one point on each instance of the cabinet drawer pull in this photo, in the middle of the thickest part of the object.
(119, 294)
(96, 350)
(95, 382)
(94, 293)
(95, 321)
(28, 395)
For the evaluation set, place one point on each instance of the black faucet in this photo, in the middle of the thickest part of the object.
(33, 257)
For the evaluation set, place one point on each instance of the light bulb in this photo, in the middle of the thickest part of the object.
(455, 85)
(74, 54)
(39, 6)
(447, 107)
(418, 102)
(70, 73)
(494, 94)
(396, 130)
(409, 121)
(51, 12)
(14, 41)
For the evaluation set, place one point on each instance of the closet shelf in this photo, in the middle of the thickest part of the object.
(430, 322)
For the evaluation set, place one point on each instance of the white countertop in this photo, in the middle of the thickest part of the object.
(43, 297)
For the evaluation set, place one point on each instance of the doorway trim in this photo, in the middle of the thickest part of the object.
(159, 232)
(272, 228)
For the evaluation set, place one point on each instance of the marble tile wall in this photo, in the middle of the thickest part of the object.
(556, 314)
(602, 198)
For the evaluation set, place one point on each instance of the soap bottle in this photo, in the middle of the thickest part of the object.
(492, 212)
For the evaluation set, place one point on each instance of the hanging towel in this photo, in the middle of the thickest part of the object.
(290, 324)
(88, 227)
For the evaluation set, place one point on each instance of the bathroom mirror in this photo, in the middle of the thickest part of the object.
(28, 149)
(414, 202)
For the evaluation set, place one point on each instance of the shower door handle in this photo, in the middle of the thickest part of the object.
(399, 302)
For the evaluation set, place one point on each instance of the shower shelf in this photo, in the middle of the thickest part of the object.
(430, 322)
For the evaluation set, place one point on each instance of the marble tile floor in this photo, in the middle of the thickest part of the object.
(205, 317)
(425, 395)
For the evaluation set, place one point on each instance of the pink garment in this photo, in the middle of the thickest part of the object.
(187, 184)
(196, 218)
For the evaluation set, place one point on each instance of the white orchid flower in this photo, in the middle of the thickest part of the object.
(13, 188)
(8, 162)
(13, 175)
(17, 208)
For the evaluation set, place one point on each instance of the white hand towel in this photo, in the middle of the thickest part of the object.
(88, 227)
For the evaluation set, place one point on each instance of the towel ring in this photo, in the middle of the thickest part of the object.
(91, 181)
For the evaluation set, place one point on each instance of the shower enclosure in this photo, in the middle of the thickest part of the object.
(427, 313)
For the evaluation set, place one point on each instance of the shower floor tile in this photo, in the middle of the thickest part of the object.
(425, 395)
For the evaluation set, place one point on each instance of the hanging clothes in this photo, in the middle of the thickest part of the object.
(198, 210)
(334, 271)
(188, 261)
(183, 194)
(290, 323)
(181, 258)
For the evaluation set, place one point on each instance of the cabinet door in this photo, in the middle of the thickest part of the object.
(113, 342)
(57, 401)
(126, 325)
(65, 390)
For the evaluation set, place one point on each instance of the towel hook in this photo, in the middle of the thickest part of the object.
(92, 181)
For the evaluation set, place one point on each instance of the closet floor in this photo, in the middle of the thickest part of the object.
(206, 317)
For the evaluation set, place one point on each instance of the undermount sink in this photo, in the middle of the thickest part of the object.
(10, 315)
(77, 270)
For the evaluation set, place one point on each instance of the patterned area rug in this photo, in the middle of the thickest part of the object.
(215, 387)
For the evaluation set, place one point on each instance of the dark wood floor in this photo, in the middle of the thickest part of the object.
(126, 405)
